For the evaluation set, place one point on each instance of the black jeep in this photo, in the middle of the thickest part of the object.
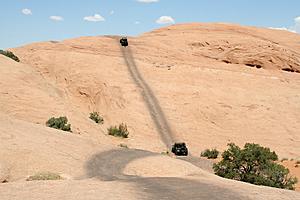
(124, 41)
(180, 149)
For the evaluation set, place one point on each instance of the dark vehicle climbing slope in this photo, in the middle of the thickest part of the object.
(124, 42)
(180, 149)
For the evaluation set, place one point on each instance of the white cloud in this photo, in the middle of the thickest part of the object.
(297, 20)
(296, 26)
(112, 12)
(282, 29)
(294, 29)
(95, 18)
(56, 18)
(137, 22)
(147, 1)
(165, 20)
(26, 11)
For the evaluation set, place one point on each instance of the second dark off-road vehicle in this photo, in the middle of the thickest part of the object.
(124, 41)
(180, 149)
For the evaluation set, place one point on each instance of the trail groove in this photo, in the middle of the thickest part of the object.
(153, 106)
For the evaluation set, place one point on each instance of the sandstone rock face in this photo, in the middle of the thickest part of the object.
(215, 83)
(265, 54)
(233, 44)
(229, 81)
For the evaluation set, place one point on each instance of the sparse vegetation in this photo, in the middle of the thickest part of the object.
(42, 176)
(120, 131)
(165, 152)
(60, 123)
(284, 159)
(123, 146)
(10, 55)
(254, 164)
(210, 154)
(96, 118)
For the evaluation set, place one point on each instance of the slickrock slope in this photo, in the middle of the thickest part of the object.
(215, 84)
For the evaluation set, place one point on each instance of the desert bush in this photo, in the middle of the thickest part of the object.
(254, 164)
(165, 153)
(123, 146)
(42, 176)
(10, 55)
(96, 117)
(60, 123)
(210, 154)
(120, 131)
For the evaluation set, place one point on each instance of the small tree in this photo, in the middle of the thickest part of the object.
(96, 118)
(60, 123)
(10, 55)
(210, 154)
(254, 164)
(120, 131)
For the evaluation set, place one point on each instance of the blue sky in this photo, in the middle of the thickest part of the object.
(26, 21)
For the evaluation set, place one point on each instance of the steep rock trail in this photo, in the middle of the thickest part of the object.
(109, 166)
(156, 112)
(159, 119)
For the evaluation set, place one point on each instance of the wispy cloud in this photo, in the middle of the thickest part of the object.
(282, 29)
(112, 12)
(147, 1)
(296, 26)
(165, 20)
(26, 11)
(137, 22)
(95, 18)
(294, 29)
(56, 18)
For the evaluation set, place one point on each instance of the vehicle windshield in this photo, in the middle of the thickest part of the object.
(179, 145)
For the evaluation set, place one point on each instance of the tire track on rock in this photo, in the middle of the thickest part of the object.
(160, 121)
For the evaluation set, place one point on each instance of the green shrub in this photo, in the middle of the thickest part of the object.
(254, 164)
(42, 176)
(123, 146)
(10, 55)
(96, 117)
(59, 123)
(210, 154)
(120, 131)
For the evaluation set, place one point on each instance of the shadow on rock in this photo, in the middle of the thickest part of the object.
(109, 166)
(179, 188)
